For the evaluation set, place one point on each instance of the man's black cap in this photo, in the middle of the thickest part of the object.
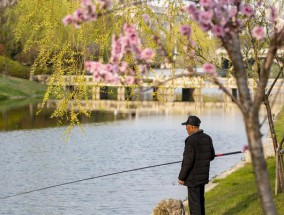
(192, 120)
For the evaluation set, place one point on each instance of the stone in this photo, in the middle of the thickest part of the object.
(169, 207)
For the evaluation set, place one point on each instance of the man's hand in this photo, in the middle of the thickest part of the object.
(180, 182)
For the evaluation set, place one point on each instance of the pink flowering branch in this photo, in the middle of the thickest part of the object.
(90, 11)
(118, 70)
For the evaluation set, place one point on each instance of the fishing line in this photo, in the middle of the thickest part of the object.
(101, 176)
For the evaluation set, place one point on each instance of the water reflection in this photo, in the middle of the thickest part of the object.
(26, 115)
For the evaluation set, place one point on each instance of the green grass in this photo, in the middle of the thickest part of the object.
(11, 87)
(237, 194)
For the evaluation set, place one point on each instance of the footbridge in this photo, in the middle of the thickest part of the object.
(190, 86)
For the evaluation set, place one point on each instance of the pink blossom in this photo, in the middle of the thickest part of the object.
(245, 148)
(131, 35)
(108, 77)
(232, 12)
(93, 66)
(79, 15)
(258, 32)
(224, 2)
(115, 68)
(67, 20)
(128, 80)
(104, 70)
(207, 3)
(123, 66)
(204, 26)
(218, 30)
(185, 30)
(96, 76)
(205, 17)
(128, 29)
(247, 10)
(147, 54)
(209, 69)
(86, 13)
(192, 11)
(117, 50)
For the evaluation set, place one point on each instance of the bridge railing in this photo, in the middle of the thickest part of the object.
(183, 82)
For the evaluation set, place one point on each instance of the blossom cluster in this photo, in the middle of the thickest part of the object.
(86, 13)
(117, 69)
(222, 17)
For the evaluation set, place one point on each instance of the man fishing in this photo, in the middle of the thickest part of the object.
(194, 173)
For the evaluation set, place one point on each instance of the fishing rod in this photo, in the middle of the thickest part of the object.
(110, 174)
(229, 153)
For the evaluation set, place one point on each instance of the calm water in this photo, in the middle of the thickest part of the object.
(36, 158)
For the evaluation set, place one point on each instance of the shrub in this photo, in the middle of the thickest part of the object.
(3, 97)
(13, 68)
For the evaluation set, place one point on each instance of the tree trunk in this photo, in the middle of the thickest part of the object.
(271, 124)
(259, 164)
(279, 183)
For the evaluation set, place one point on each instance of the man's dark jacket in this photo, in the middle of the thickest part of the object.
(198, 152)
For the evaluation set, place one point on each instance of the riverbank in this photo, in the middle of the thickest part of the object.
(15, 88)
(234, 191)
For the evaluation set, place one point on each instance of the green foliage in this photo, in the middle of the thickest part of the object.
(13, 68)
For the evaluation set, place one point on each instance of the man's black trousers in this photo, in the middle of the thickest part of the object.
(196, 200)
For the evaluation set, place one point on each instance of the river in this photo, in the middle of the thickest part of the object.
(34, 153)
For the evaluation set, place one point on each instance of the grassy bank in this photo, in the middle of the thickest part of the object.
(11, 88)
(237, 194)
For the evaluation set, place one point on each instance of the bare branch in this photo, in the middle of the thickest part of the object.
(264, 75)
(274, 82)
(281, 143)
